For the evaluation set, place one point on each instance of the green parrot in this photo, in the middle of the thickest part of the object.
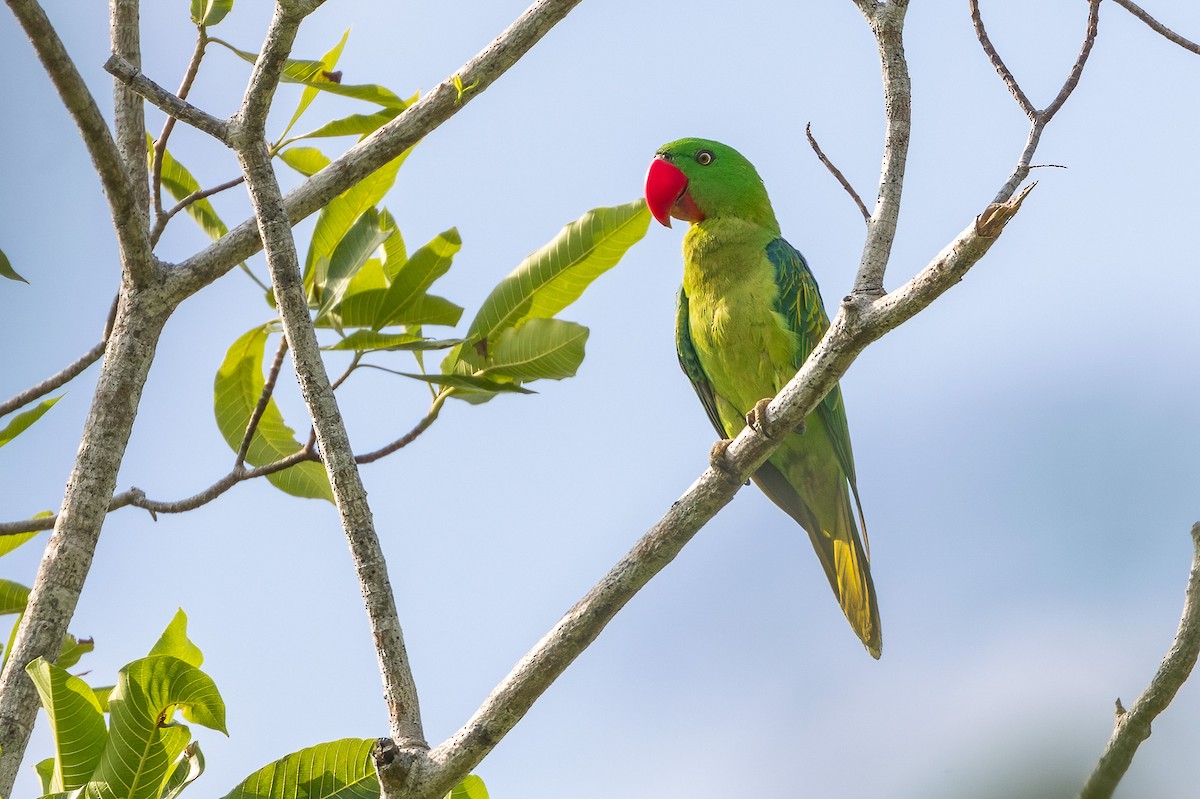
(749, 314)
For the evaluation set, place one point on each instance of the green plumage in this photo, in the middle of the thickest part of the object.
(749, 315)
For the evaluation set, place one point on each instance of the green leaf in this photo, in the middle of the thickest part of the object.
(236, 391)
(328, 62)
(476, 382)
(394, 253)
(362, 239)
(13, 597)
(549, 349)
(10, 542)
(557, 274)
(188, 767)
(308, 161)
(471, 787)
(361, 310)
(175, 642)
(370, 341)
(335, 770)
(340, 214)
(413, 279)
(144, 745)
(312, 73)
(76, 724)
(23, 420)
(45, 772)
(210, 12)
(353, 125)
(6, 269)
(72, 649)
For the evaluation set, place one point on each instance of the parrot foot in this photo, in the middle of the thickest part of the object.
(757, 421)
(716, 459)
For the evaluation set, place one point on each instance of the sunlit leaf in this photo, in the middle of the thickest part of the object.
(210, 12)
(76, 724)
(394, 253)
(341, 213)
(236, 391)
(476, 382)
(175, 642)
(371, 341)
(413, 279)
(556, 275)
(362, 239)
(328, 63)
(6, 269)
(335, 770)
(10, 542)
(353, 125)
(72, 649)
(144, 745)
(549, 349)
(13, 597)
(308, 161)
(471, 787)
(23, 420)
(188, 767)
(312, 73)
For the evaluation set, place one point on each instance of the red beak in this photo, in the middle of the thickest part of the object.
(665, 184)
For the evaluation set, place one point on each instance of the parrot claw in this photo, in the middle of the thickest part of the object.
(756, 419)
(716, 459)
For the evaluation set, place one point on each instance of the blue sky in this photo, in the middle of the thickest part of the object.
(1025, 448)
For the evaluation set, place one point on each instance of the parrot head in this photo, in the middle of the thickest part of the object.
(697, 179)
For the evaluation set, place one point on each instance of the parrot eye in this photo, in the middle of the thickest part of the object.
(704, 157)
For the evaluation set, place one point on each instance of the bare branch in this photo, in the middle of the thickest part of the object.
(998, 62)
(164, 100)
(1158, 27)
(837, 173)
(160, 223)
(129, 112)
(411, 435)
(887, 23)
(1133, 726)
(263, 400)
(1039, 118)
(160, 144)
(54, 381)
(123, 200)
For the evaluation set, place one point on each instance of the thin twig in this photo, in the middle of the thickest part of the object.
(1133, 725)
(837, 173)
(54, 381)
(161, 220)
(1001, 68)
(264, 399)
(1042, 118)
(1158, 27)
(411, 435)
(160, 145)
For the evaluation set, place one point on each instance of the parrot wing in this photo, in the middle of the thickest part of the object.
(800, 304)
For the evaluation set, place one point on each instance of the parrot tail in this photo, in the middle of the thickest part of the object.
(840, 551)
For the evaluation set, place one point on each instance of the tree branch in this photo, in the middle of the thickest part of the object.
(1133, 726)
(164, 100)
(887, 23)
(160, 144)
(837, 173)
(1158, 27)
(253, 150)
(264, 399)
(54, 381)
(124, 200)
(129, 113)
(413, 124)
(1039, 119)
